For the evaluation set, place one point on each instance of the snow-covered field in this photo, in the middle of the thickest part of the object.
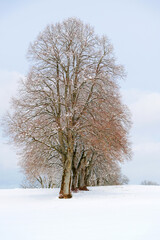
(108, 213)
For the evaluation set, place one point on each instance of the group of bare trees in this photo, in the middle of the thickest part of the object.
(68, 120)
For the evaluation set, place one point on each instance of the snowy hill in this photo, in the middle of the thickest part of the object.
(113, 213)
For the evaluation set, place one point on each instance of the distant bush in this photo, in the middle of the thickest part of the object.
(146, 182)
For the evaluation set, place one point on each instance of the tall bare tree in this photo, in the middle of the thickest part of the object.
(71, 90)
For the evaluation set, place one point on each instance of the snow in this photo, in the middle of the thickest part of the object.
(113, 213)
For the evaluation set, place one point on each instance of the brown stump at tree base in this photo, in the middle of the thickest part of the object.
(65, 196)
(84, 188)
(75, 190)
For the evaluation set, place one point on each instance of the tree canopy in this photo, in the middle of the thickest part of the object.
(69, 111)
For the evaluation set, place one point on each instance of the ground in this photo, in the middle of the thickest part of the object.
(103, 213)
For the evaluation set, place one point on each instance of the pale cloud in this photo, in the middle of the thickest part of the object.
(8, 157)
(8, 87)
(145, 164)
(152, 148)
(146, 110)
(144, 106)
(132, 95)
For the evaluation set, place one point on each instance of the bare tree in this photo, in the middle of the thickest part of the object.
(41, 167)
(107, 174)
(70, 91)
(146, 182)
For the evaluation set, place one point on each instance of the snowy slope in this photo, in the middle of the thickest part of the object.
(103, 213)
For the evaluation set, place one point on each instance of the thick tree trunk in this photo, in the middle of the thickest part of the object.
(76, 171)
(87, 176)
(82, 185)
(65, 191)
(74, 180)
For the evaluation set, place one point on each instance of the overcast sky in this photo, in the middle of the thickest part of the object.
(133, 28)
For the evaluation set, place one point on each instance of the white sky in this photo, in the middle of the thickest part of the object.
(133, 28)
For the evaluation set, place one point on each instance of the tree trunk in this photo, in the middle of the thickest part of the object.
(65, 191)
(87, 176)
(98, 181)
(82, 185)
(75, 180)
